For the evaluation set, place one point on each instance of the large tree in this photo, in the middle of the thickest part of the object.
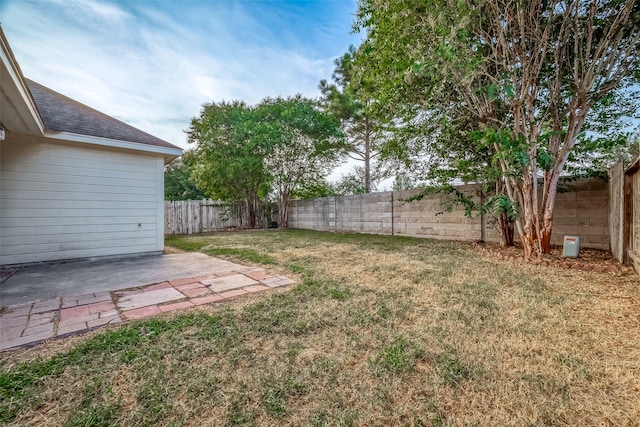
(548, 62)
(441, 149)
(349, 98)
(228, 157)
(246, 153)
(303, 144)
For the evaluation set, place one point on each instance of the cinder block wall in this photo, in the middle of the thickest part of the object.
(581, 210)
(428, 217)
(316, 214)
(364, 213)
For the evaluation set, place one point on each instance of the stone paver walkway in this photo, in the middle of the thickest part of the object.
(31, 323)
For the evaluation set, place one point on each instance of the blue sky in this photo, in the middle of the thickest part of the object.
(153, 63)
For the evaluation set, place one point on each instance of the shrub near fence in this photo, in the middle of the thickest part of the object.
(582, 210)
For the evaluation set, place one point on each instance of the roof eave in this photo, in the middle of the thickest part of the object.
(168, 153)
(10, 64)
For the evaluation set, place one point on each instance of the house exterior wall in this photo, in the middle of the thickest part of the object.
(66, 201)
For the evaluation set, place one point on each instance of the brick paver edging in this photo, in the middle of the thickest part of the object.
(29, 324)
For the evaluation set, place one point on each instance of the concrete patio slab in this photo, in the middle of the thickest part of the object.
(145, 299)
(42, 282)
(221, 284)
(76, 297)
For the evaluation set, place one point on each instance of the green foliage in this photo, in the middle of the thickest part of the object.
(286, 121)
(178, 183)
(455, 197)
(228, 159)
(534, 92)
(354, 182)
(403, 181)
(243, 153)
(304, 145)
(313, 190)
(349, 99)
(594, 155)
(499, 203)
(442, 150)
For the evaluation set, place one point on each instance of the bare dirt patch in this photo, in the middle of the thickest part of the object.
(596, 260)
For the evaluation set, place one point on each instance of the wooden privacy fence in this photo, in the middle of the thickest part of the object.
(201, 216)
(624, 213)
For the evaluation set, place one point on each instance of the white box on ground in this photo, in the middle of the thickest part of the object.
(571, 246)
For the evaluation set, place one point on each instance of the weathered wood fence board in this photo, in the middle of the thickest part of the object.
(616, 210)
(200, 216)
(624, 193)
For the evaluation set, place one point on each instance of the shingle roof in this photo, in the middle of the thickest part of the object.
(63, 114)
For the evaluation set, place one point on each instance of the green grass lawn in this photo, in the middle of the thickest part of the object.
(379, 331)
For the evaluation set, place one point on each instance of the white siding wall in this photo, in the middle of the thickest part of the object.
(64, 201)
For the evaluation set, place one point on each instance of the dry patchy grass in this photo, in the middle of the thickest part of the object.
(380, 331)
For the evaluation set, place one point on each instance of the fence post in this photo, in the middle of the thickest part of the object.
(616, 211)
(335, 213)
(392, 219)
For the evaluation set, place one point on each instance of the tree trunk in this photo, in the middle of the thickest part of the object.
(505, 227)
(283, 212)
(251, 213)
(548, 201)
(529, 237)
(545, 238)
(505, 224)
(252, 218)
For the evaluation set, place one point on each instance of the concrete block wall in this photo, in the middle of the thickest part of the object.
(365, 213)
(316, 214)
(581, 210)
(428, 217)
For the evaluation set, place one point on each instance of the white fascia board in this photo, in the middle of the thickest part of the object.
(115, 143)
(10, 63)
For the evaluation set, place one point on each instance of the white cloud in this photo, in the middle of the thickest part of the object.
(92, 10)
(152, 67)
